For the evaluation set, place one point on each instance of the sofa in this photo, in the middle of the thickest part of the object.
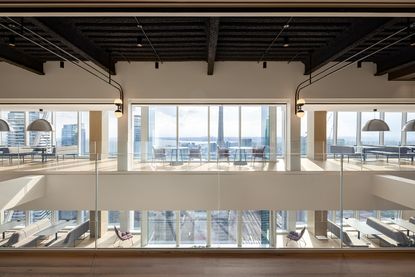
(27, 236)
(348, 151)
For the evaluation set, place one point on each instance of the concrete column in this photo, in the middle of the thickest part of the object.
(293, 143)
(55, 217)
(316, 135)
(291, 220)
(125, 149)
(79, 217)
(102, 219)
(28, 216)
(98, 134)
(317, 223)
(126, 220)
(407, 214)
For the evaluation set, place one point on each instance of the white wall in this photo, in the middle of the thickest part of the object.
(188, 80)
(211, 191)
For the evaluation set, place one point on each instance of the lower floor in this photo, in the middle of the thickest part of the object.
(206, 263)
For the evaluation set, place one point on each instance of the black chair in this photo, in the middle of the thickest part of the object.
(258, 153)
(296, 236)
(223, 153)
(46, 155)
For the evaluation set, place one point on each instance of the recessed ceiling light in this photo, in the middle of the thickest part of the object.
(12, 41)
(286, 42)
(139, 41)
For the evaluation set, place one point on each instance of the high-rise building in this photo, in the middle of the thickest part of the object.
(39, 138)
(84, 143)
(69, 134)
(137, 133)
(17, 123)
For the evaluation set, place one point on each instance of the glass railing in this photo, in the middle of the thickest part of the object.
(110, 200)
(184, 158)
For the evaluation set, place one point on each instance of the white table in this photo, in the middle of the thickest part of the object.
(243, 150)
(7, 226)
(410, 227)
(176, 150)
(361, 227)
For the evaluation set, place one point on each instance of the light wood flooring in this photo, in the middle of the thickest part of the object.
(76, 165)
(204, 263)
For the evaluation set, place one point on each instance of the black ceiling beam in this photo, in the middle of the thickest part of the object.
(359, 31)
(19, 59)
(70, 36)
(404, 59)
(213, 33)
(403, 74)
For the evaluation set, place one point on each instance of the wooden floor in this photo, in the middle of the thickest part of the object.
(75, 165)
(191, 264)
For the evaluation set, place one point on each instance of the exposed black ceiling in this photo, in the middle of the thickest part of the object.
(106, 40)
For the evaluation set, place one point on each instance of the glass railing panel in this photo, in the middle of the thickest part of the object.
(46, 209)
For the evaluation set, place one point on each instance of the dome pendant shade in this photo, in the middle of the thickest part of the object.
(409, 126)
(4, 126)
(375, 125)
(40, 125)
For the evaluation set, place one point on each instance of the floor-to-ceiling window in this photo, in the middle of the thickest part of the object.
(66, 129)
(194, 132)
(346, 128)
(330, 130)
(193, 228)
(394, 120)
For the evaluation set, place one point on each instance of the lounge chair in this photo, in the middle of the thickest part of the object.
(122, 236)
(296, 236)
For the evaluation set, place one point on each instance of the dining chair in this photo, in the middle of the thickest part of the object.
(159, 154)
(222, 153)
(195, 153)
(258, 153)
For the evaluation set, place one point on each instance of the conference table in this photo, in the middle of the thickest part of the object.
(408, 226)
(8, 226)
(361, 227)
